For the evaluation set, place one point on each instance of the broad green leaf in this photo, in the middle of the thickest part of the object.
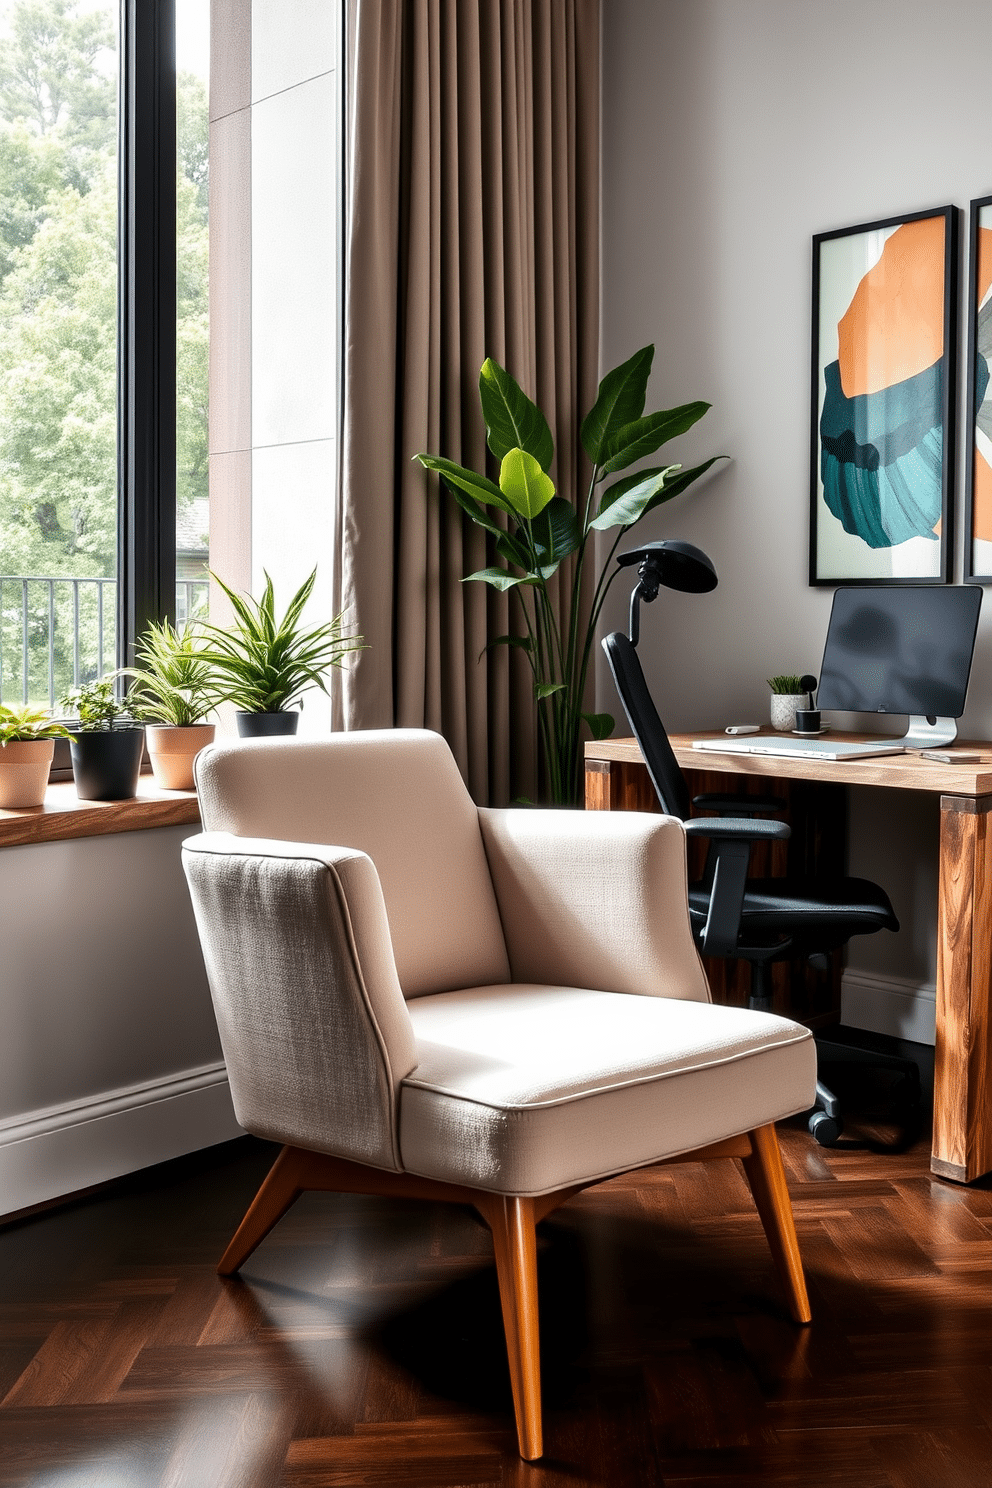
(524, 484)
(630, 505)
(512, 420)
(479, 487)
(547, 689)
(645, 435)
(556, 532)
(498, 578)
(678, 484)
(521, 642)
(512, 550)
(620, 401)
(601, 725)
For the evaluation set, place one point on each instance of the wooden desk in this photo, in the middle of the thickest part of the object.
(616, 779)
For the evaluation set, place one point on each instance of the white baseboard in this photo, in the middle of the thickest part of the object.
(45, 1154)
(893, 1005)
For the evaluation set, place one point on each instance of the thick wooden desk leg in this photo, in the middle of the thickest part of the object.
(962, 1114)
(598, 785)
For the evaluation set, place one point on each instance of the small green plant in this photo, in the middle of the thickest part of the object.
(96, 705)
(173, 681)
(787, 685)
(264, 665)
(23, 724)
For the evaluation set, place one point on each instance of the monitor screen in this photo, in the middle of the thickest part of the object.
(904, 649)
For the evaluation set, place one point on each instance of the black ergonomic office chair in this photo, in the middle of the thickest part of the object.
(758, 920)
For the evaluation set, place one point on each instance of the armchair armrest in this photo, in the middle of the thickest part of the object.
(312, 1021)
(595, 899)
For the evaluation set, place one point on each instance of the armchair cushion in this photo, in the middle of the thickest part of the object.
(525, 1089)
(595, 899)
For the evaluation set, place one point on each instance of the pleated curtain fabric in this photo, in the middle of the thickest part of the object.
(472, 231)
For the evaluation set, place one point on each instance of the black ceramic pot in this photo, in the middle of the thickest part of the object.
(266, 725)
(106, 763)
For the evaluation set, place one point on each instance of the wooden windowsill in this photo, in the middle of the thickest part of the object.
(64, 815)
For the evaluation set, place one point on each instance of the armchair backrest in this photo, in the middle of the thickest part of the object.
(397, 795)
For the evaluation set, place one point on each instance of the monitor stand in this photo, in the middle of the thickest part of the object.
(926, 732)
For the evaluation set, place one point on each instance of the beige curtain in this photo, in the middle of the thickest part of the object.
(472, 231)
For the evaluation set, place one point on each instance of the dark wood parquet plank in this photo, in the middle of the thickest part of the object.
(364, 1346)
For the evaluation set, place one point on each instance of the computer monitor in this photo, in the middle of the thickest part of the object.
(902, 649)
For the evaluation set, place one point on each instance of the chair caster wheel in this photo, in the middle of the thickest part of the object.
(825, 1129)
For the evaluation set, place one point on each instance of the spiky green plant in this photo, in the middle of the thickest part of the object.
(174, 681)
(264, 665)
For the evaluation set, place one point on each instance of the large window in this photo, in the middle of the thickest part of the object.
(103, 331)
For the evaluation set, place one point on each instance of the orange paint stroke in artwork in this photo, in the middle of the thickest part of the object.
(984, 262)
(982, 499)
(894, 326)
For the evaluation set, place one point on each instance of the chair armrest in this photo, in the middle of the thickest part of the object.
(312, 1021)
(737, 805)
(727, 871)
(746, 829)
(595, 899)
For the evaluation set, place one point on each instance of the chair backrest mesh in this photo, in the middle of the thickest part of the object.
(649, 731)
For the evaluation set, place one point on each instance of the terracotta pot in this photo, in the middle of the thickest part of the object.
(24, 767)
(172, 749)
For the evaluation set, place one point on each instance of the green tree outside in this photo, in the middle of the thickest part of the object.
(58, 324)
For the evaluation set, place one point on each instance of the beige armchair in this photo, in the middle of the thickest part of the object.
(497, 1008)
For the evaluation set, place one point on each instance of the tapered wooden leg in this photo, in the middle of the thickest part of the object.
(513, 1224)
(278, 1193)
(766, 1175)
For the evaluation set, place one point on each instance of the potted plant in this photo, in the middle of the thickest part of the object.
(788, 694)
(264, 665)
(172, 692)
(534, 530)
(106, 742)
(27, 744)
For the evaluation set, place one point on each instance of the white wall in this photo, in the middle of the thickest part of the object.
(110, 1058)
(732, 131)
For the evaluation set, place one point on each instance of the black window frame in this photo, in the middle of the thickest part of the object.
(146, 327)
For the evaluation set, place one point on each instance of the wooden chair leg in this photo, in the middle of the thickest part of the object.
(513, 1225)
(766, 1175)
(278, 1193)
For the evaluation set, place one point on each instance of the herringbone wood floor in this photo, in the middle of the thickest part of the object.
(363, 1345)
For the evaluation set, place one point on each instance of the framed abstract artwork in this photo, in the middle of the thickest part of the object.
(978, 431)
(882, 424)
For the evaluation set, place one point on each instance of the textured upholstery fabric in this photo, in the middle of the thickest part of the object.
(312, 1021)
(583, 897)
(526, 1089)
(396, 795)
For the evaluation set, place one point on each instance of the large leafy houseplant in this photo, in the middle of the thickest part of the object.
(264, 664)
(534, 530)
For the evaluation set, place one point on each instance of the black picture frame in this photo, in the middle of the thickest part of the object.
(978, 439)
(881, 465)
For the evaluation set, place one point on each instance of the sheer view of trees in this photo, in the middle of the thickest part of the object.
(58, 299)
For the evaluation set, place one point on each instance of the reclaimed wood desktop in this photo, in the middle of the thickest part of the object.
(962, 1134)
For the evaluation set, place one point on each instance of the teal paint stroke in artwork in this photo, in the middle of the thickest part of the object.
(880, 459)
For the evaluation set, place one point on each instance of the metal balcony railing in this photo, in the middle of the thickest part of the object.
(58, 632)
